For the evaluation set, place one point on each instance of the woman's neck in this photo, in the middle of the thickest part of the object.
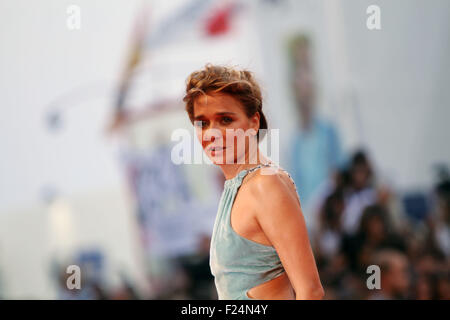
(231, 170)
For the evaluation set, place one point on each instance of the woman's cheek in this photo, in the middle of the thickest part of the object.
(199, 135)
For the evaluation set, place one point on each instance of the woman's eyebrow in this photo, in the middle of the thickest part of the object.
(225, 113)
(217, 114)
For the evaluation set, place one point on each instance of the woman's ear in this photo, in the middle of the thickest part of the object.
(255, 121)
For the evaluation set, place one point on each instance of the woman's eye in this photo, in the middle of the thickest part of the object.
(226, 120)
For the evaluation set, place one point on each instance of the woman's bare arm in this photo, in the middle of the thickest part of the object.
(280, 216)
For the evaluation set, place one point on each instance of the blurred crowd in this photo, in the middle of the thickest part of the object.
(180, 277)
(363, 223)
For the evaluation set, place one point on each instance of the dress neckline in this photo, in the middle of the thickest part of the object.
(244, 172)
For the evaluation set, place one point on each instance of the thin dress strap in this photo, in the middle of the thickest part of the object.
(293, 182)
(259, 166)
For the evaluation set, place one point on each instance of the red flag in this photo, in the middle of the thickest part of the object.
(219, 22)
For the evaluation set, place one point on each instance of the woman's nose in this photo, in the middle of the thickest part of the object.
(211, 134)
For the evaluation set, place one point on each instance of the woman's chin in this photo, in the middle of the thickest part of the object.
(220, 159)
(217, 160)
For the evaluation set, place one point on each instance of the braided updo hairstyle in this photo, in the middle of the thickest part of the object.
(240, 84)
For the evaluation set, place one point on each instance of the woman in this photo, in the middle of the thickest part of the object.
(259, 246)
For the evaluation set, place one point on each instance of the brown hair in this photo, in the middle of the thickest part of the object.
(240, 84)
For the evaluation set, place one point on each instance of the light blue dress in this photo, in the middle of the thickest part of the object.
(239, 264)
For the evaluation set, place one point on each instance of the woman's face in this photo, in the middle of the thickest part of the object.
(219, 114)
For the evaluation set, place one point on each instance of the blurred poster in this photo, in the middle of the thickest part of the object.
(171, 216)
(175, 204)
(316, 150)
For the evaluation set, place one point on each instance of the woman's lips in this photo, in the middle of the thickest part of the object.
(216, 150)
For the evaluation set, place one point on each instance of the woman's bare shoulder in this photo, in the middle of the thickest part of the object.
(273, 196)
(270, 183)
